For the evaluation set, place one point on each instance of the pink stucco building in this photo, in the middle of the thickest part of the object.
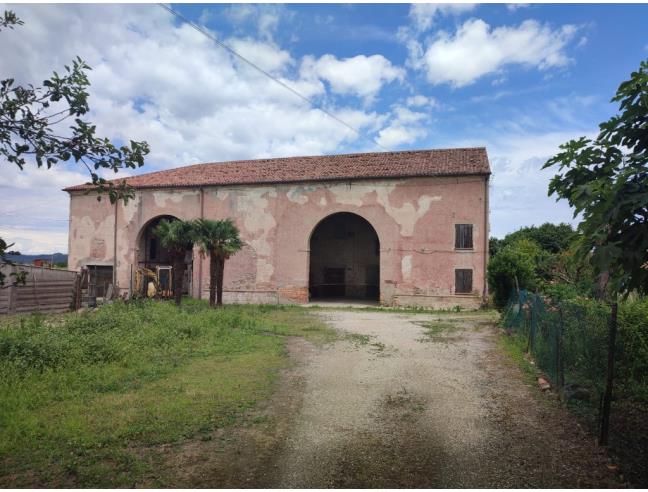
(402, 228)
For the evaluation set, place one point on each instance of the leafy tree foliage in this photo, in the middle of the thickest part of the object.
(512, 267)
(494, 245)
(10, 19)
(4, 252)
(552, 238)
(219, 239)
(571, 274)
(550, 248)
(606, 181)
(177, 236)
(31, 129)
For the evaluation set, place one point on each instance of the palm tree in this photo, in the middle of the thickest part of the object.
(220, 239)
(176, 236)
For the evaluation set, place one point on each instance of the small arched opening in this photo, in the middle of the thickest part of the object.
(344, 259)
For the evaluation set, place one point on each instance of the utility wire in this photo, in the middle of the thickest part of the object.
(270, 76)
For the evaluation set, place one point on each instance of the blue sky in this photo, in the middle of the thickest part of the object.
(519, 79)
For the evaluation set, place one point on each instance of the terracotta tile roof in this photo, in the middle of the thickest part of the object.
(438, 162)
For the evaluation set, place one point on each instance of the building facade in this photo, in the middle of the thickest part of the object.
(401, 228)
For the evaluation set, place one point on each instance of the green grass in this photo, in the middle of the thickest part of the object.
(358, 339)
(514, 347)
(81, 395)
(437, 331)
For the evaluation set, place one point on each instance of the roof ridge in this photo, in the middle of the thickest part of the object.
(355, 154)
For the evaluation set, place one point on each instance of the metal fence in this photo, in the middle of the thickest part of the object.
(568, 339)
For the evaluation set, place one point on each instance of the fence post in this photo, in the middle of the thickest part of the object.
(607, 396)
(530, 321)
(76, 303)
(560, 364)
(12, 294)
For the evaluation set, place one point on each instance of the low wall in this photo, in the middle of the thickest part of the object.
(438, 302)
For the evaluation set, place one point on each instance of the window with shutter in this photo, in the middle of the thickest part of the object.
(463, 236)
(463, 281)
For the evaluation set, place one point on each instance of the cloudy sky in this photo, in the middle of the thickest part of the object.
(519, 79)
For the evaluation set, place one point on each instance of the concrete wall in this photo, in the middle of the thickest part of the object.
(414, 219)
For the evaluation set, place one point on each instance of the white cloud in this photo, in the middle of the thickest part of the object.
(419, 100)
(265, 55)
(361, 75)
(156, 80)
(424, 14)
(518, 192)
(405, 127)
(266, 18)
(173, 87)
(515, 6)
(475, 50)
(35, 241)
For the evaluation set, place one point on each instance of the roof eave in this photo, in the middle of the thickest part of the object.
(73, 189)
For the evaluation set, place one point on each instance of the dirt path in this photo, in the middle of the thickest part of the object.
(409, 401)
(402, 401)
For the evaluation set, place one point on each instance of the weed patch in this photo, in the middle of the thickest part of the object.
(514, 347)
(82, 394)
(357, 339)
(438, 331)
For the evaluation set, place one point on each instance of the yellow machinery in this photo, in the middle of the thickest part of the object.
(156, 283)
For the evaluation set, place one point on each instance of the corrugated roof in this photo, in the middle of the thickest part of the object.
(436, 162)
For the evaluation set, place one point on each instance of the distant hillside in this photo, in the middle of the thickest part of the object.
(58, 258)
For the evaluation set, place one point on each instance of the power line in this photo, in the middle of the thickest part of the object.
(270, 76)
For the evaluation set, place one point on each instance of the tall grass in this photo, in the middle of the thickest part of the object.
(81, 393)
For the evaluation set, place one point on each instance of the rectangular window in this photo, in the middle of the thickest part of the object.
(463, 281)
(463, 236)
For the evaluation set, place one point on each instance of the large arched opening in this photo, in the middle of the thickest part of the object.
(344, 259)
(152, 256)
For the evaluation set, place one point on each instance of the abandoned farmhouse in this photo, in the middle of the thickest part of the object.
(402, 228)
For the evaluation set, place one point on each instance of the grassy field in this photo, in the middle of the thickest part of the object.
(82, 396)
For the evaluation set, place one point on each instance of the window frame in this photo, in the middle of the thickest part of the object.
(456, 283)
(457, 236)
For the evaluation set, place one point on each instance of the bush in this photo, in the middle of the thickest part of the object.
(584, 326)
(632, 366)
(513, 261)
(560, 292)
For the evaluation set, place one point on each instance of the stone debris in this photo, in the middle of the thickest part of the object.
(544, 384)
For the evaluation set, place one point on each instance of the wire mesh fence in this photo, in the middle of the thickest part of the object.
(568, 339)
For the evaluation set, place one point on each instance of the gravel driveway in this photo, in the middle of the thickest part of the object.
(427, 401)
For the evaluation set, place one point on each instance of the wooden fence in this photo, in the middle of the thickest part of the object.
(47, 290)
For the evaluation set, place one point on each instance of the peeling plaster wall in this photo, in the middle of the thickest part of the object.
(414, 219)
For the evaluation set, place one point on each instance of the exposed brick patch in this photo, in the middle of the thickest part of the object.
(298, 295)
